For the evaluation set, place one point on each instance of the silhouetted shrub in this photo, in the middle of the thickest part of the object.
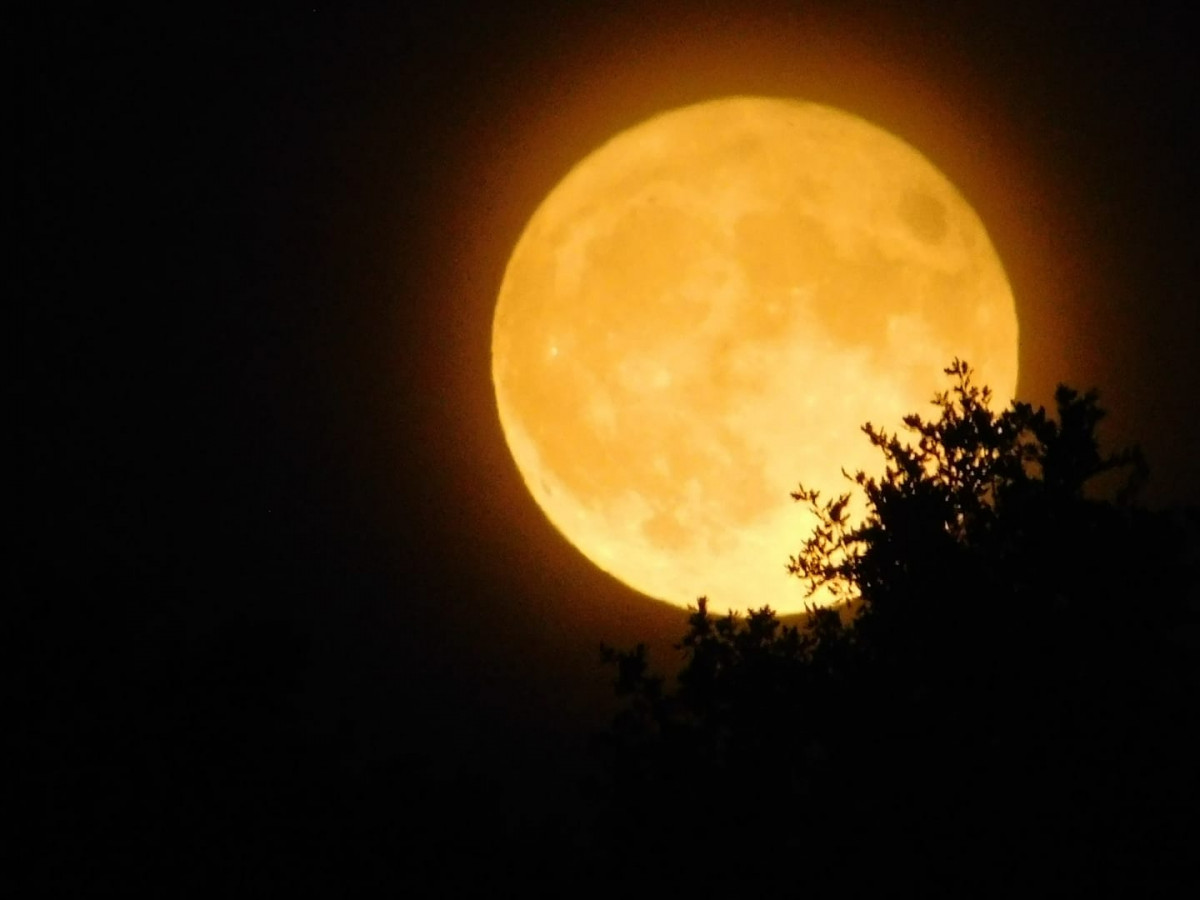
(1000, 702)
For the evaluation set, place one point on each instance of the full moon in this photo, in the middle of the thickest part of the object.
(705, 311)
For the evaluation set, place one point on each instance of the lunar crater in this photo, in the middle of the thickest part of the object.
(924, 215)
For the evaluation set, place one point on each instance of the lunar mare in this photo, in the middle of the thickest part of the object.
(705, 311)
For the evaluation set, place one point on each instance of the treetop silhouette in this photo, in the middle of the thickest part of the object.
(1000, 686)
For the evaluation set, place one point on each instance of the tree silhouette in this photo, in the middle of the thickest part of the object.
(999, 701)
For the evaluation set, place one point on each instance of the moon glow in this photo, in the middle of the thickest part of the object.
(705, 311)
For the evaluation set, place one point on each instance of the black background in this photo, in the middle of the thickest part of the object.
(281, 595)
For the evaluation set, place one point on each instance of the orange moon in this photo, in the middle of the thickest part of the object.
(705, 311)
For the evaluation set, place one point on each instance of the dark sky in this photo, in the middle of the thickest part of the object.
(256, 258)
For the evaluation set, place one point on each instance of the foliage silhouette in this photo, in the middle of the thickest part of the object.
(999, 701)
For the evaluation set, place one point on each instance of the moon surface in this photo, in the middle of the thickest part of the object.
(705, 311)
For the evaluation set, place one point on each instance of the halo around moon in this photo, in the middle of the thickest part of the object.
(705, 311)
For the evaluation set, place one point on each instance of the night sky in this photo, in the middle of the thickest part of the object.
(268, 533)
